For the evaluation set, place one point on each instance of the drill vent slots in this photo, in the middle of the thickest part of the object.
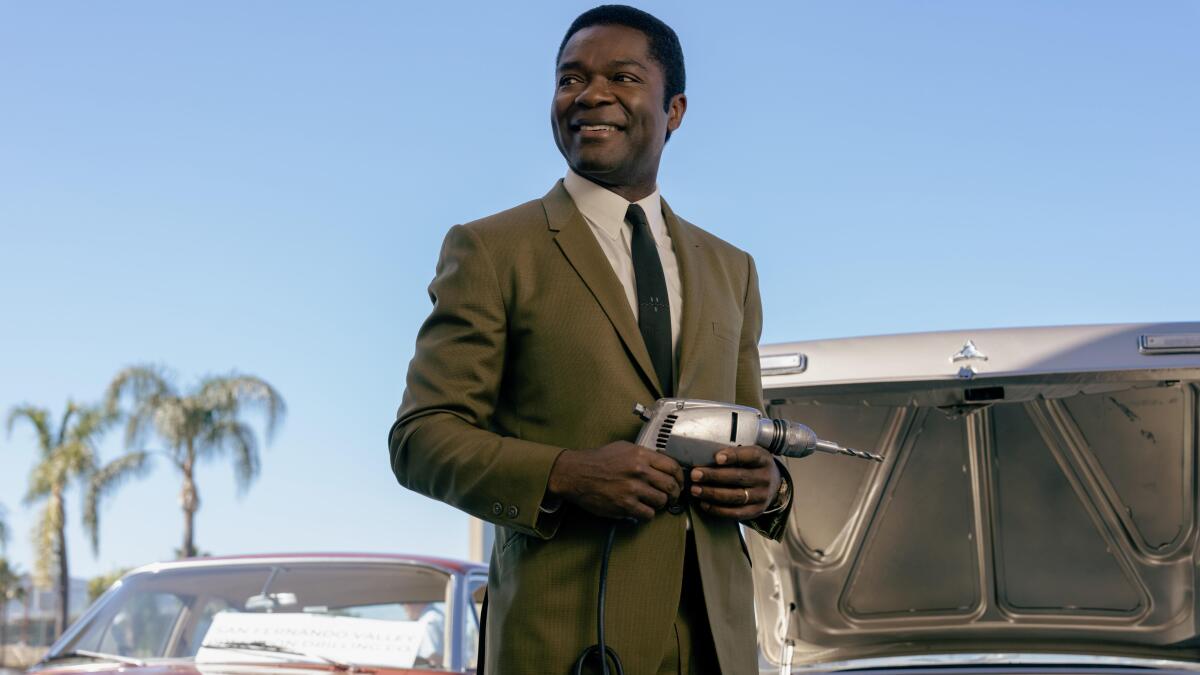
(664, 431)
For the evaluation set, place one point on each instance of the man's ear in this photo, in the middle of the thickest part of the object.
(675, 111)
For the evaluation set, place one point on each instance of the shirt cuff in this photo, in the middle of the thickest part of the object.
(550, 505)
(785, 487)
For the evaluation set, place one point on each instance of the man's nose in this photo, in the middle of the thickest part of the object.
(596, 92)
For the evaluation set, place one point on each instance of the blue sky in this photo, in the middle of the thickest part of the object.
(264, 187)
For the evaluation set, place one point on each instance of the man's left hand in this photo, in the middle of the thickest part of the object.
(741, 485)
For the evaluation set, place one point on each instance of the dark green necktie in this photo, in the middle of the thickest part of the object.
(654, 308)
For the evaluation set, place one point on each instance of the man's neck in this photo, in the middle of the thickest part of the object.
(630, 193)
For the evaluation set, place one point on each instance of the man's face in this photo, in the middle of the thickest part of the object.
(608, 116)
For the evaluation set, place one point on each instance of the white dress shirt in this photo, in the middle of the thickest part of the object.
(605, 211)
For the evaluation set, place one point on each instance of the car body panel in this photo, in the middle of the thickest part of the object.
(1045, 501)
(213, 669)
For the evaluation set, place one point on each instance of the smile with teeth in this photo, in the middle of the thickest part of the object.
(597, 127)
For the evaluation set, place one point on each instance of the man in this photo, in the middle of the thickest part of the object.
(432, 618)
(550, 321)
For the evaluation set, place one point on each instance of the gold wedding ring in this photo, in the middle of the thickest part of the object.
(746, 495)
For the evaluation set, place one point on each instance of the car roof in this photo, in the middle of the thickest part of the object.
(448, 565)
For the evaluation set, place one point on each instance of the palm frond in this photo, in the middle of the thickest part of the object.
(227, 395)
(98, 584)
(93, 421)
(4, 533)
(149, 387)
(239, 438)
(71, 410)
(79, 461)
(172, 419)
(42, 479)
(141, 419)
(10, 581)
(104, 482)
(39, 418)
(140, 382)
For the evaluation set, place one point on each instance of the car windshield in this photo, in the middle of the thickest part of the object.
(172, 613)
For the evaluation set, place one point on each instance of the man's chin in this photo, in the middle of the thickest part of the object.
(597, 170)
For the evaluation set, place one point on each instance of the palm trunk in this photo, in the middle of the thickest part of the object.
(26, 602)
(64, 577)
(190, 501)
(3, 627)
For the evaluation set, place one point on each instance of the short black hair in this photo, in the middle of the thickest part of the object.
(664, 43)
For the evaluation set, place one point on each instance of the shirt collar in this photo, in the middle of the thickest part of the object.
(606, 209)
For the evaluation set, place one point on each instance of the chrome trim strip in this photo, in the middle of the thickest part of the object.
(782, 364)
(455, 621)
(1183, 343)
(997, 658)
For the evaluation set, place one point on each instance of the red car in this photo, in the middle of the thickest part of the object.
(384, 614)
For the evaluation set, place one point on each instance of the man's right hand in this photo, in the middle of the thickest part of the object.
(618, 480)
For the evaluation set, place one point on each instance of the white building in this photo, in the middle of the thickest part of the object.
(31, 620)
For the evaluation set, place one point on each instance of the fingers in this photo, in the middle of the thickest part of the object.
(748, 466)
(638, 501)
(746, 455)
(618, 480)
(659, 481)
(666, 464)
(721, 496)
(645, 500)
(741, 485)
(639, 510)
(747, 512)
(729, 477)
(665, 474)
(735, 503)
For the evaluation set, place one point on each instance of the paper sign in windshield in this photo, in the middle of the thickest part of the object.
(340, 638)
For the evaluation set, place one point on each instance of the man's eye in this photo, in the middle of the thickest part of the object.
(622, 77)
(567, 80)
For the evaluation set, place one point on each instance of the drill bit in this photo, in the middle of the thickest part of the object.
(834, 448)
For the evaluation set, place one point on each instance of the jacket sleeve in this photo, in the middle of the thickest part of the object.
(442, 444)
(750, 393)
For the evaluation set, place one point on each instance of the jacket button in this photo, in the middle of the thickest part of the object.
(513, 512)
(497, 509)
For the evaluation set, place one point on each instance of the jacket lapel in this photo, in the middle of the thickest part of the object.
(579, 245)
(691, 279)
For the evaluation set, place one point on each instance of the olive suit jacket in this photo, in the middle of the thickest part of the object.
(531, 348)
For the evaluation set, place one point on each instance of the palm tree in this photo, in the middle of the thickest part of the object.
(3, 532)
(8, 578)
(98, 584)
(65, 454)
(10, 589)
(201, 424)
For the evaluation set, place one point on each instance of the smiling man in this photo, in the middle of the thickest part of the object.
(549, 322)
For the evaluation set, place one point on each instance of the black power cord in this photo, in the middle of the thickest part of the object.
(600, 650)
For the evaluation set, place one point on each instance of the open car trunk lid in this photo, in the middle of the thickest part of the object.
(1038, 494)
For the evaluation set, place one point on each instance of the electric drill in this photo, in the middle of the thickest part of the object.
(692, 431)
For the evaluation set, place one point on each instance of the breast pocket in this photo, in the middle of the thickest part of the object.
(725, 332)
(718, 373)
